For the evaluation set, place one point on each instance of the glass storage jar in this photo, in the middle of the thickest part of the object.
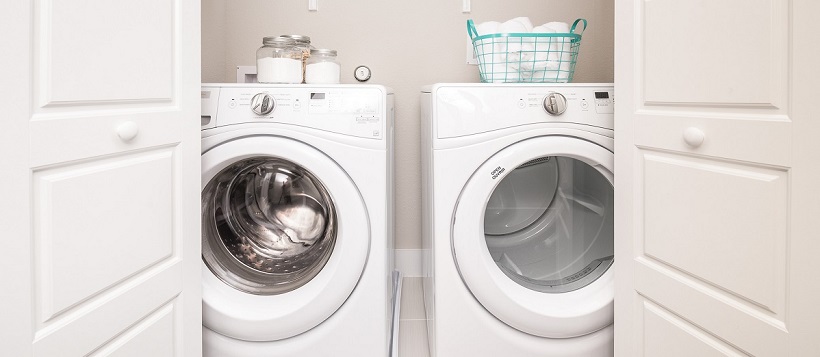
(322, 67)
(278, 61)
(302, 43)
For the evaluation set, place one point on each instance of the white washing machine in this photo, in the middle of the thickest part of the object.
(297, 220)
(518, 219)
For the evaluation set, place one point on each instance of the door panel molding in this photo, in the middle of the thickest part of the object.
(703, 52)
(670, 335)
(142, 338)
(80, 332)
(723, 223)
(126, 57)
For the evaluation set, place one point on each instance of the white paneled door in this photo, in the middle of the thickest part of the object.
(717, 178)
(100, 190)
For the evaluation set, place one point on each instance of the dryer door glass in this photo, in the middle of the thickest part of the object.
(549, 224)
(268, 225)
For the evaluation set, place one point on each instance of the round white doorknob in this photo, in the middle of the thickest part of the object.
(693, 136)
(127, 131)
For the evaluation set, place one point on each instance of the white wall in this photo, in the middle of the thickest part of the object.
(406, 44)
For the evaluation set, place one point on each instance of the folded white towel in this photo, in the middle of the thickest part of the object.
(524, 21)
(513, 26)
(560, 27)
(513, 74)
(511, 48)
(487, 28)
(564, 67)
(488, 51)
(542, 29)
(560, 55)
(542, 46)
(556, 71)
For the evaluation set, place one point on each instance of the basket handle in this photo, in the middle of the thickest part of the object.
(474, 33)
(574, 24)
(471, 29)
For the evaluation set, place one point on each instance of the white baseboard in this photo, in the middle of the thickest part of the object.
(408, 262)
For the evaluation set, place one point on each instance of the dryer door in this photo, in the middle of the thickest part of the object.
(285, 237)
(533, 236)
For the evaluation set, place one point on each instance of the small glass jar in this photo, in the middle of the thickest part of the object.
(278, 61)
(302, 43)
(322, 67)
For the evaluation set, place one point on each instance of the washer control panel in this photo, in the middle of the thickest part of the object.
(354, 110)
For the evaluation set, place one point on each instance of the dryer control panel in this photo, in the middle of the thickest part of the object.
(356, 110)
(604, 102)
(479, 108)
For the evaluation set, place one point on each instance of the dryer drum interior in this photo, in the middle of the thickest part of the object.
(268, 225)
(549, 224)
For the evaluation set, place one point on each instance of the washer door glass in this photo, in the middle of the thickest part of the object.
(268, 225)
(549, 224)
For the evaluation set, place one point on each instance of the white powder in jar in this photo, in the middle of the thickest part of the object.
(322, 73)
(278, 70)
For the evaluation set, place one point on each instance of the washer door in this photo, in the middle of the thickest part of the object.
(285, 237)
(533, 236)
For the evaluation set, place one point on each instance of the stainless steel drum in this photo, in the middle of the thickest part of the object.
(268, 225)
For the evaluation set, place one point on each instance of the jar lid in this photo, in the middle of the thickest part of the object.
(278, 40)
(323, 51)
(298, 38)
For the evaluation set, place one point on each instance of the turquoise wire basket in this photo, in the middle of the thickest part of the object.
(527, 57)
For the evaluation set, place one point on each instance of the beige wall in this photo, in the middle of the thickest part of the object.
(406, 44)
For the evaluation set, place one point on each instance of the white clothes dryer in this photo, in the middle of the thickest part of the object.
(297, 220)
(518, 219)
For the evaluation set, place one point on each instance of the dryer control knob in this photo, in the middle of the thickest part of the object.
(262, 104)
(555, 103)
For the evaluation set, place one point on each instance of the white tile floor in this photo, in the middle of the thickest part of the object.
(412, 323)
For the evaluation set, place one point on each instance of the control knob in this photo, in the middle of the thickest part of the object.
(262, 104)
(555, 103)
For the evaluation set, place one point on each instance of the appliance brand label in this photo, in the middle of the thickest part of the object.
(497, 172)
